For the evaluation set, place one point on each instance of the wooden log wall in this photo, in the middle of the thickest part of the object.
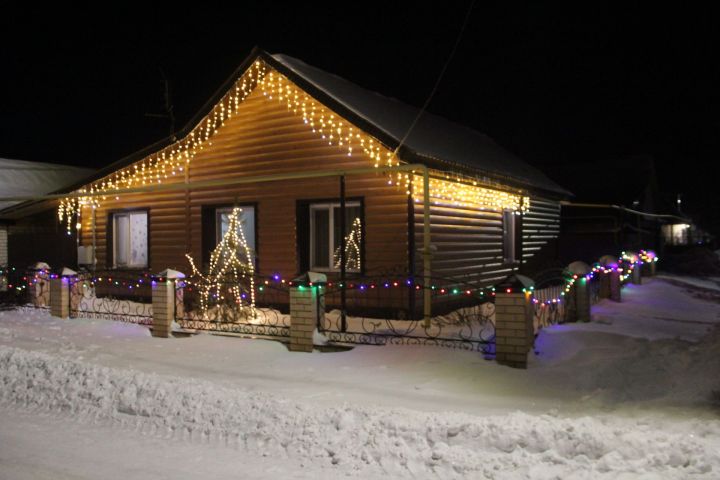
(263, 138)
(540, 229)
(468, 242)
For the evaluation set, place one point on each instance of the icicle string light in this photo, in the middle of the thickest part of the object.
(168, 164)
(453, 193)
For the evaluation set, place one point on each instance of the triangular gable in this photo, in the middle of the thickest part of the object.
(334, 121)
(169, 163)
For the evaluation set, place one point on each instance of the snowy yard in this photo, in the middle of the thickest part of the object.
(629, 395)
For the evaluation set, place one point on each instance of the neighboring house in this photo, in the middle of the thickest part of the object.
(618, 206)
(288, 143)
(33, 235)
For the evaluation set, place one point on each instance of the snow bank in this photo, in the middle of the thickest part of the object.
(353, 439)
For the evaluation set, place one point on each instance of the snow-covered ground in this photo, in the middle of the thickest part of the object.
(629, 395)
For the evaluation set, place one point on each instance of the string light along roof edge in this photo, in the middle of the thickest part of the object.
(405, 153)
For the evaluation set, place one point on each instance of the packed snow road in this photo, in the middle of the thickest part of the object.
(629, 395)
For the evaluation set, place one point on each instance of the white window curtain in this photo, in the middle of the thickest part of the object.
(130, 239)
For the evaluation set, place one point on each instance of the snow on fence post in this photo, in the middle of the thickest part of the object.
(307, 304)
(580, 292)
(514, 312)
(163, 301)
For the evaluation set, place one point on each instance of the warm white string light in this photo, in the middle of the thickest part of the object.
(457, 194)
(165, 165)
(227, 273)
(353, 240)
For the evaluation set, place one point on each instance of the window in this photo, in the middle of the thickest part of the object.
(511, 232)
(130, 239)
(326, 237)
(215, 221)
(246, 222)
(676, 234)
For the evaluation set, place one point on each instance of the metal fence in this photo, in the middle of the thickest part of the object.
(112, 294)
(265, 314)
(24, 288)
(383, 310)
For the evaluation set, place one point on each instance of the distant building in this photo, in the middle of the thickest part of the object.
(618, 206)
(32, 238)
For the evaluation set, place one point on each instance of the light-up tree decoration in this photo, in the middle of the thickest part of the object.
(229, 284)
(352, 240)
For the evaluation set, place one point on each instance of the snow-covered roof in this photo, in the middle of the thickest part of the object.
(433, 137)
(19, 178)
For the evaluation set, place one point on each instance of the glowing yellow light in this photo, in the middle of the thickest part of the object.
(456, 194)
(228, 272)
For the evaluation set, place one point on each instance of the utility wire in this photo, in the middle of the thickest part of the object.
(439, 79)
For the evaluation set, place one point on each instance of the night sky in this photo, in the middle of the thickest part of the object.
(555, 86)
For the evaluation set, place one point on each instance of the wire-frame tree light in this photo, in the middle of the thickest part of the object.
(229, 284)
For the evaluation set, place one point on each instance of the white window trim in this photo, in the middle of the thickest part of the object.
(129, 237)
(331, 237)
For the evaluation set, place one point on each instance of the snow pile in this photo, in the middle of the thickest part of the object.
(356, 439)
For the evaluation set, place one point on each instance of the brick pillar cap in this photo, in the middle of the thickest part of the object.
(516, 281)
(41, 266)
(169, 273)
(579, 268)
(312, 277)
(68, 272)
(608, 260)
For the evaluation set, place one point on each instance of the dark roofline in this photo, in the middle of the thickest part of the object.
(405, 153)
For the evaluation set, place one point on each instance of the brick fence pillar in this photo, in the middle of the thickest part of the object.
(580, 292)
(604, 291)
(582, 299)
(166, 301)
(607, 264)
(649, 266)
(305, 309)
(60, 297)
(615, 285)
(163, 306)
(636, 277)
(514, 331)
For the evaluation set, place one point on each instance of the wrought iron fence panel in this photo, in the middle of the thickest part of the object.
(262, 311)
(114, 295)
(550, 301)
(388, 311)
(24, 288)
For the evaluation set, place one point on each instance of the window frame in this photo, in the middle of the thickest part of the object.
(112, 240)
(209, 214)
(330, 206)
